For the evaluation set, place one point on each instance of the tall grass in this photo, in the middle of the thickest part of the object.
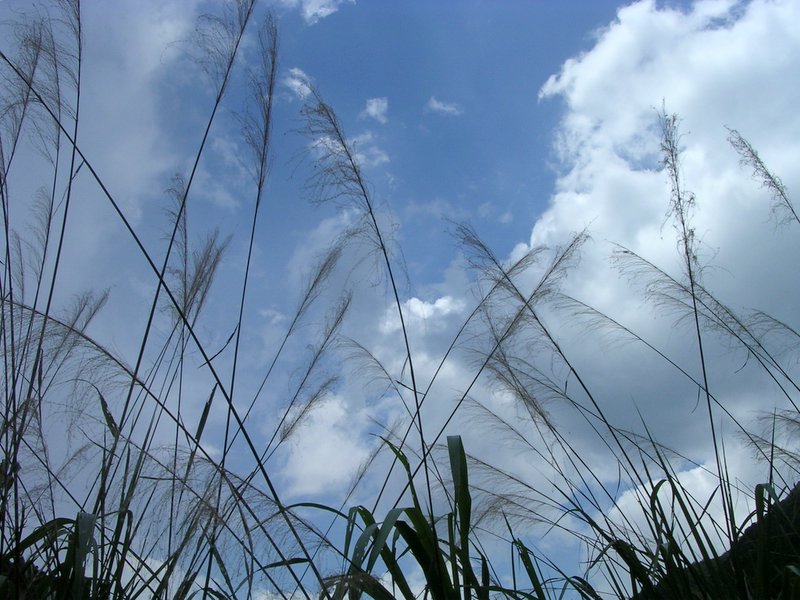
(132, 501)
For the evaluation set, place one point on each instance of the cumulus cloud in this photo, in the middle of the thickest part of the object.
(443, 108)
(325, 455)
(419, 312)
(715, 64)
(298, 82)
(376, 108)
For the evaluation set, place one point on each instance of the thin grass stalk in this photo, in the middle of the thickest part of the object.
(323, 269)
(229, 62)
(749, 157)
(344, 172)
(173, 300)
(182, 343)
(73, 18)
(526, 303)
(268, 42)
(177, 421)
(263, 92)
(465, 233)
(551, 273)
(631, 467)
(34, 36)
(578, 307)
(154, 397)
(715, 313)
(136, 239)
(9, 338)
(682, 203)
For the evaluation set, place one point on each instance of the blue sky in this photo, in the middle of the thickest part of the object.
(484, 66)
(531, 121)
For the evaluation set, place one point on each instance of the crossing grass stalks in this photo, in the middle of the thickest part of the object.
(130, 502)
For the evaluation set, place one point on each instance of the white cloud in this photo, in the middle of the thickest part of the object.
(489, 210)
(437, 208)
(717, 64)
(632, 512)
(123, 87)
(708, 66)
(298, 82)
(325, 453)
(365, 151)
(316, 243)
(223, 153)
(720, 63)
(215, 192)
(421, 313)
(376, 108)
(272, 316)
(444, 108)
(314, 10)
(127, 71)
(368, 153)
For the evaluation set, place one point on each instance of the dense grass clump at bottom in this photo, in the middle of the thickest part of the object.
(129, 502)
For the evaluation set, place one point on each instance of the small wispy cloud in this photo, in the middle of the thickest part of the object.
(298, 82)
(488, 211)
(272, 316)
(368, 153)
(213, 191)
(314, 10)
(376, 109)
(444, 108)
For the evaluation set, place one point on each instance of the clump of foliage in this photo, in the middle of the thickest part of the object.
(109, 510)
